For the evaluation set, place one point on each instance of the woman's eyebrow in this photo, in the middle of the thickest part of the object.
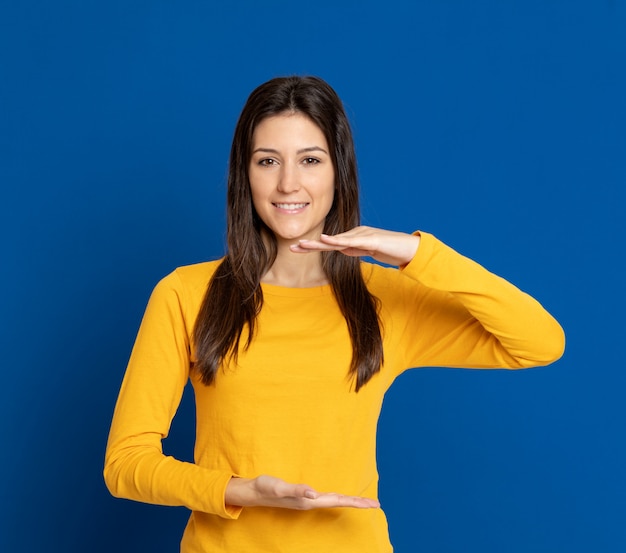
(301, 151)
(312, 149)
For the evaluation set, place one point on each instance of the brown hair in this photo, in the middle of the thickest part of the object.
(234, 296)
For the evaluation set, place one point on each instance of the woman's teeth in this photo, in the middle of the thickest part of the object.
(290, 206)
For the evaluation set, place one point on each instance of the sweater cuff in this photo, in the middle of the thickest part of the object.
(422, 256)
(227, 511)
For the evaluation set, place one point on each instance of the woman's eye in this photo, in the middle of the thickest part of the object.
(311, 161)
(267, 162)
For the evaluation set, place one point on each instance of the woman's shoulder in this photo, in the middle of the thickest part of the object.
(198, 270)
(192, 278)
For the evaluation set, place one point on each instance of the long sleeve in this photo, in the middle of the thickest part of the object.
(135, 466)
(461, 315)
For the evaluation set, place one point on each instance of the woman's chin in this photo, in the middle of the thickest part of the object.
(291, 236)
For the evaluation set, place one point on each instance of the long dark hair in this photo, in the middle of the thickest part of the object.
(234, 296)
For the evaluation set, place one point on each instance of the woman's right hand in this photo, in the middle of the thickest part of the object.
(269, 491)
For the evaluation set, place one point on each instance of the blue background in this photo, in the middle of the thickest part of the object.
(499, 126)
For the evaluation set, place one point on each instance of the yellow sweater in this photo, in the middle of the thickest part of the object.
(287, 408)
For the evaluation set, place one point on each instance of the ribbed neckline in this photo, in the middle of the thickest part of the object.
(312, 292)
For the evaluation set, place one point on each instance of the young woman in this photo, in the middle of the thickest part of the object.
(290, 342)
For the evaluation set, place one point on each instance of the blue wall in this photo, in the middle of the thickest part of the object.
(498, 125)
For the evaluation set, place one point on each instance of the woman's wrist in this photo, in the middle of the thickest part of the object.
(238, 492)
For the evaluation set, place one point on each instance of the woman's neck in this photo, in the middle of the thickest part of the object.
(296, 270)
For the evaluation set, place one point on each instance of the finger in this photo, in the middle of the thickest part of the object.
(362, 240)
(346, 250)
(296, 491)
(330, 500)
(349, 238)
(302, 490)
(355, 231)
(305, 246)
(328, 243)
(354, 246)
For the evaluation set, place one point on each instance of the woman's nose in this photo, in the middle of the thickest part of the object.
(288, 180)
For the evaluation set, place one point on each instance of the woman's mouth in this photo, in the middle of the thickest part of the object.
(290, 206)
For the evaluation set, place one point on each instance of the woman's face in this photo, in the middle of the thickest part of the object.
(292, 178)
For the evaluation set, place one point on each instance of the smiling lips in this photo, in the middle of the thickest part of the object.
(290, 207)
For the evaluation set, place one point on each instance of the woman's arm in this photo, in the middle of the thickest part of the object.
(158, 370)
(462, 315)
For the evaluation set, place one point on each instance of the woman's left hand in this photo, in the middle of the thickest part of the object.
(386, 246)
